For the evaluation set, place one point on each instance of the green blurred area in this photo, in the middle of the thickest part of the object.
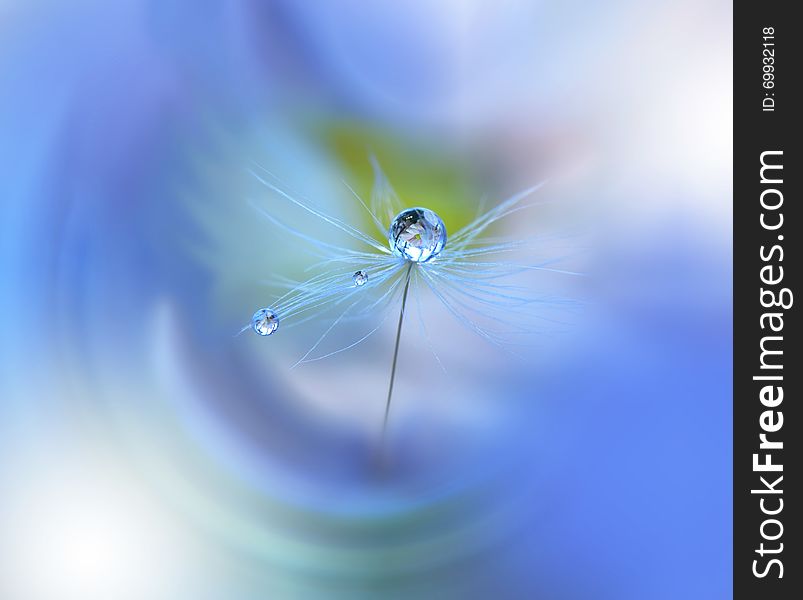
(432, 176)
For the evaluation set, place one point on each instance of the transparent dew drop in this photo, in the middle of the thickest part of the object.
(360, 278)
(264, 321)
(417, 234)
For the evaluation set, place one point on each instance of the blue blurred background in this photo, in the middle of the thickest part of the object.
(146, 451)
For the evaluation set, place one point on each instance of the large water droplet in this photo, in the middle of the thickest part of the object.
(265, 321)
(360, 278)
(417, 234)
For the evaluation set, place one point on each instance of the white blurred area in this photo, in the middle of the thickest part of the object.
(77, 526)
(629, 105)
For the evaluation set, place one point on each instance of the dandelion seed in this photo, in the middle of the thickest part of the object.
(265, 322)
(360, 278)
(464, 278)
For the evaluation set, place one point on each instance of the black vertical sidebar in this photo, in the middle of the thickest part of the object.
(767, 228)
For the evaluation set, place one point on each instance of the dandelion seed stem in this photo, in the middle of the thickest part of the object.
(396, 350)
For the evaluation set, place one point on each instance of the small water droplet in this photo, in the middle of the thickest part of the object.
(417, 234)
(265, 321)
(360, 278)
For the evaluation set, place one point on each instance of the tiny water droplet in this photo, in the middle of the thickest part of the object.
(417, 234)
(265, 321)
(360, 278)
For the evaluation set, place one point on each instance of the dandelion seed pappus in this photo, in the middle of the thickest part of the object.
(465, 275)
